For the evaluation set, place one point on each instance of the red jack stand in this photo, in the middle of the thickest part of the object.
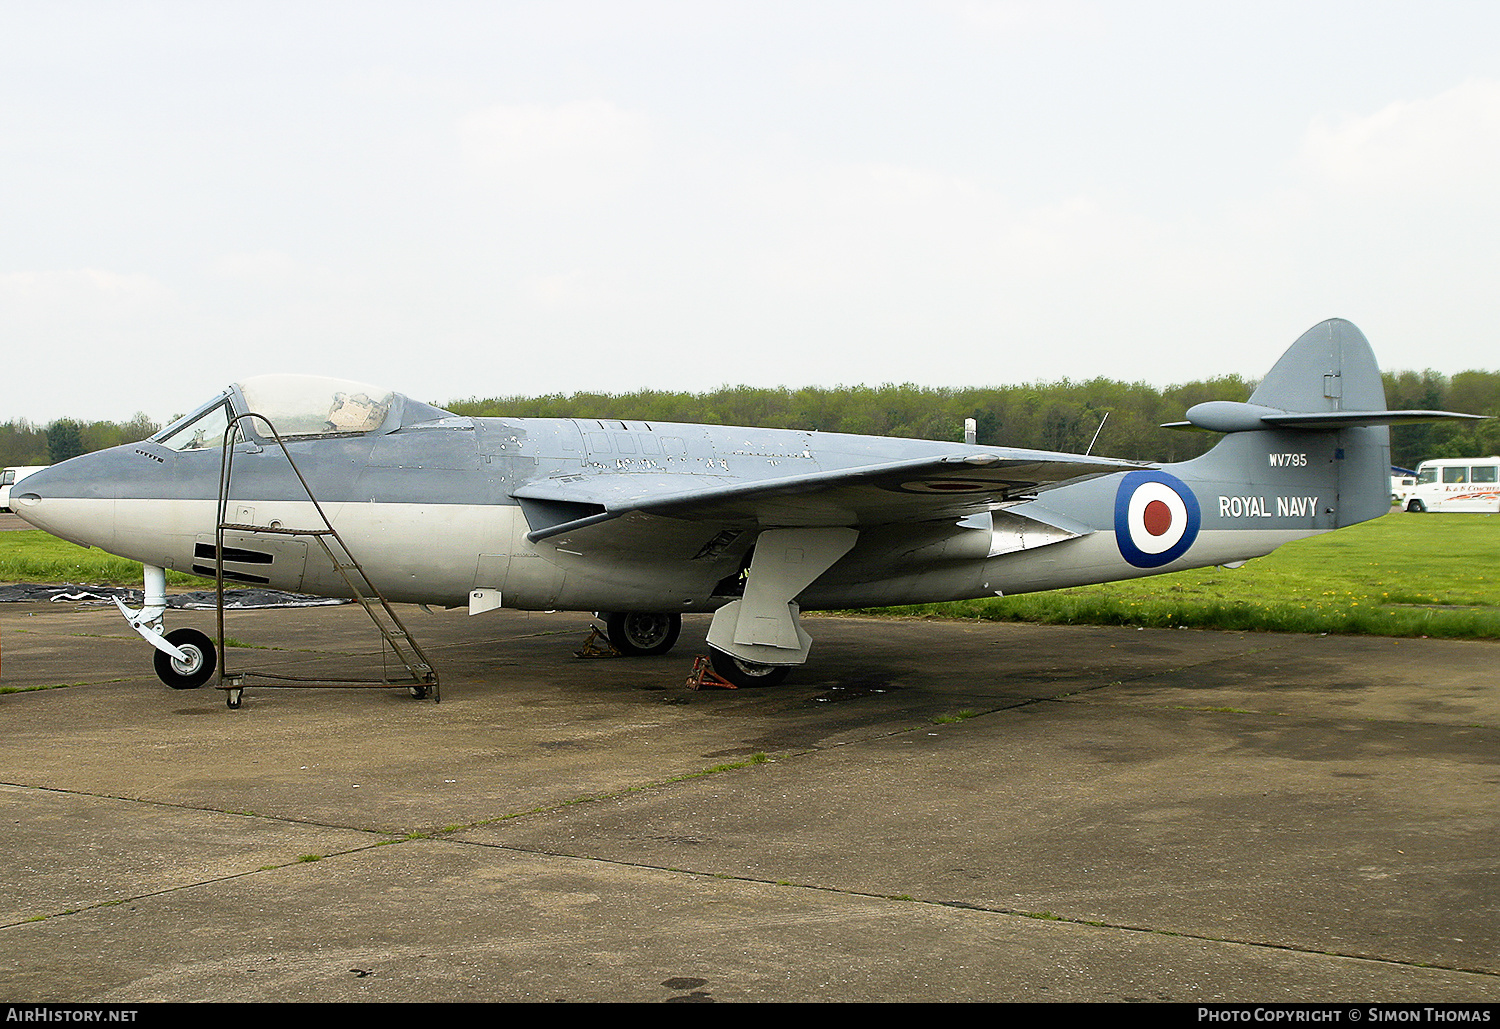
(704, 676)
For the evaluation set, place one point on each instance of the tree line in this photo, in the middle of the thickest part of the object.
(1067, 416)
(1060, 416)
(1126, 417)
(24, 443)
(1472, 392)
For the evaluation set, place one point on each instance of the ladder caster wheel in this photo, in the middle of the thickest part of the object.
(232, 697)
(420, 692)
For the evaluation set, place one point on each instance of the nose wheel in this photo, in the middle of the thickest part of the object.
(194, 668)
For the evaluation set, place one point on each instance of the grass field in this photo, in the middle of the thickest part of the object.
(1401, 575)
(31, 555)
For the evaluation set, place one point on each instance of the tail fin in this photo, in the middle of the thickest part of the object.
(1321, 406)
(1330, 368)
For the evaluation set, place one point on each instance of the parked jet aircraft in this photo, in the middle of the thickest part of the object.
(646, 520)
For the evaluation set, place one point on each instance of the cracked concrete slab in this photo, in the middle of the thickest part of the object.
(926, 811)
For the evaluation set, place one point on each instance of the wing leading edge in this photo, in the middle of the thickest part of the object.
(918, 489)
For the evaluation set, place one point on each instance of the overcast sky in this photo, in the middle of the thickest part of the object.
(477, 199)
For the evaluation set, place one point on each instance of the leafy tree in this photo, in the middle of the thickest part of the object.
(64, 440)
(22, 443)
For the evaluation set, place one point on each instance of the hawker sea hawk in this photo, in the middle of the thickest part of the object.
(643, 521)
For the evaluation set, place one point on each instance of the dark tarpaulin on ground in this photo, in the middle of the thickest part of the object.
(235, 599)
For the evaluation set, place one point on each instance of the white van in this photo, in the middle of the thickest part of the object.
(10, 476)
(1403, 481)
(1457, 484)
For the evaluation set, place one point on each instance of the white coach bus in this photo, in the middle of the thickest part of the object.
(1457, 484)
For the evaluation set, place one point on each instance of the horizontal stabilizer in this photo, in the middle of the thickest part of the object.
(1325, 381)
(1347, 419)
(1230, 416)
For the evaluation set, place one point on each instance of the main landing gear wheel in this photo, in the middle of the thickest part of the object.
(640, 634)
(199, 665)
(747, 674)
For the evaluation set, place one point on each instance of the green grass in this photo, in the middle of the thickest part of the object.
(1400, 575)
(33, 556)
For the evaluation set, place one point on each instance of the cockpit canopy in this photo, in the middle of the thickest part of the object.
(297, 407)
(311, 405)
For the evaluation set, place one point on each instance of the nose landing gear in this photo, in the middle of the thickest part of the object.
(185, 658)
(194, 668)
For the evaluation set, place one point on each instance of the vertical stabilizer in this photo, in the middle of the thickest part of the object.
(1330, 368)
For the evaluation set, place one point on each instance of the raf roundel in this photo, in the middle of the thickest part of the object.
(1156, 518)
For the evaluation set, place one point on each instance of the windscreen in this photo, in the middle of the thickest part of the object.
(198, 431)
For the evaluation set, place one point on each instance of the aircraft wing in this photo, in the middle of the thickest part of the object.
(918, 489)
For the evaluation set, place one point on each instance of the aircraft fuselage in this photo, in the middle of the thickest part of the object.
(644, 521)
(431, 512)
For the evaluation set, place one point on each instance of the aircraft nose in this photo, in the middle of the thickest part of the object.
(26, 498)
(65, 501)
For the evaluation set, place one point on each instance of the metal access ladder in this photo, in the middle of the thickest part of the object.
(421, 677)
